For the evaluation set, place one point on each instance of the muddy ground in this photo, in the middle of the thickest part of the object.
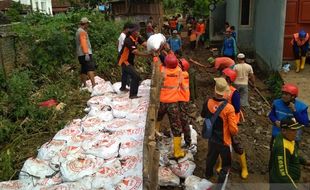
(255, 131)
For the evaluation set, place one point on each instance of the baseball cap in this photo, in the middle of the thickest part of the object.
(241, 56)
(290, 123)
(85, 20)
(221, 86)
(134, 28)
(174, 31)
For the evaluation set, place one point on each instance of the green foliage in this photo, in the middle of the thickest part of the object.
(3, 18)
(6, 165)
(275, 83)
(15, 11)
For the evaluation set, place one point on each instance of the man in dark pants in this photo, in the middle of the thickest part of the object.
(126, 60)
(224, 127)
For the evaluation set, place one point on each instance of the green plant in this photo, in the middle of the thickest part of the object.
(275, 83)
(7, 167)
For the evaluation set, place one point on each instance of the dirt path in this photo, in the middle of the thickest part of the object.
(255, 132)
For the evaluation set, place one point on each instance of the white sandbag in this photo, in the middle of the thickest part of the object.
(50, 149)
(99, 100)
(166, 177)
(130, 147)
(77, 140)
(36, 168)
(193, 135)
(155, 41)
(183, 169)
(120, 110)
(108, 176)
(134, 133)
(63, 155)
(195, 183)
(103, 112)
(131, 165)
(13, 185)
(75, 123)
(102, 88)
(130, 183)
(119, 124)
(67, 133)
(105, 148)
(92, 124)
(74, 169)
(146, 83)
(83, 185)
(38, 184)
(97, 80)
(116, 86)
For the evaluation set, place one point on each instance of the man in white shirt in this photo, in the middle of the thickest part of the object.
(122, 37)
(244, 73)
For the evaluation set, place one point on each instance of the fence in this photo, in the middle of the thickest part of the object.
(150, 151)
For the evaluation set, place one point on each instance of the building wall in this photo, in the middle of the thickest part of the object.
(46, 9)
(217, 22)
(269, 31)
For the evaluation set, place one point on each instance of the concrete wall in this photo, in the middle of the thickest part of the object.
(217, 22)
(47, 9)
(269, 32)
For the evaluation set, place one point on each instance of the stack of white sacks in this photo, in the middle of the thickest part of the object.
(103, 150)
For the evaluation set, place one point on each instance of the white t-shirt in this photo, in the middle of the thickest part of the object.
(243, 71)
(121, 40)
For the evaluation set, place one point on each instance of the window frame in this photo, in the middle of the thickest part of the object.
(251, 13)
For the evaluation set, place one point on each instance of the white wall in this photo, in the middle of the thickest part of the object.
(47, 5)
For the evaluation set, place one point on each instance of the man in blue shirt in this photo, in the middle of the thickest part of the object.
(175, 42)
(229, 47)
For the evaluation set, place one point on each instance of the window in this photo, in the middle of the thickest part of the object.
(43, 7)
(37, 6)
(245, 12)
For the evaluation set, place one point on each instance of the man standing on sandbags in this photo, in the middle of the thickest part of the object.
(169, 97)
(126, 60)
(84, 53)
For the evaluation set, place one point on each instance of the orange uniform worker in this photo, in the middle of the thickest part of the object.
(169, 97)
(221, 63)
(233, 97)
(224, 127)
(184, 97)
(200, 29)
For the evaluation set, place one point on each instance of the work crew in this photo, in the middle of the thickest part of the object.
(169, 96)
(288, 106)
(221, 63)
(184, 97)
(234, 99)
(285, 161)
(244, 74)
(126, 60)
(229, 48)
(84, 53)
(224, 127)
(300, 43)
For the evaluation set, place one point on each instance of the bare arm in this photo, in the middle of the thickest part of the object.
(139, 53)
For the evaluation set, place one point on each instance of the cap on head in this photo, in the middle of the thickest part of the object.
(221, 86)
(240, 56)
(200, 20)
(174, 32)
(302, 34)
(84, 20)
(290, 123)
(291, 89)
(231, 74)
(211, 60)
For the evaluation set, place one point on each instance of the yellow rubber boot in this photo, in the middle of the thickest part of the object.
(297, 65)
(303, 61)
(244, 168)
(178, 152)
(218, 166)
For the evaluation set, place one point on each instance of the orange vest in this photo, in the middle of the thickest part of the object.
(298, 40)
(200, 28)
(169, 92)
(228, 97)
(184, 88)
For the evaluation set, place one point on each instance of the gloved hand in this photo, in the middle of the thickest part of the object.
(87, 58)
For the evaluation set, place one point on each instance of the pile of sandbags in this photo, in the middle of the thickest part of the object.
(171, 171)
(102, 150)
